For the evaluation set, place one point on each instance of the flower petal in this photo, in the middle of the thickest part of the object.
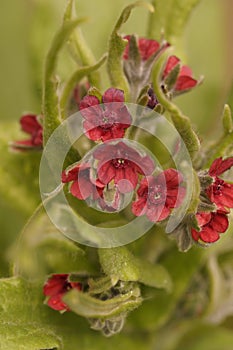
(55, 284)
(56, 303)
(113, 95)
(208, 235)
(157, 213)
(146, 165)
(219, 166)
(105, 152)
(81, 188)
(219, 222)
(22, 145)
(89, 108)
(203, 218)
(94, 134)
(139, 207)
(185, 82)
(147, 47)
(117, 131)
(195, 235)
(123, 117)
(29, 123)
(186, 70)
(126, 179)
(126, 52)
(106, 172)
(171, 63)
(71, 175)
(143, 188)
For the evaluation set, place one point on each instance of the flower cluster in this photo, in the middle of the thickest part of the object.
(116, 168)
(139, 57)
(113, 173)
(220, 194)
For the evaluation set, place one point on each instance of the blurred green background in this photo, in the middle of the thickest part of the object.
(26, 28)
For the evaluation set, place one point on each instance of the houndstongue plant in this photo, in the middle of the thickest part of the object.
(130, 199)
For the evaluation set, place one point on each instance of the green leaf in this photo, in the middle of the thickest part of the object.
(27, 324)
(154, 275)
(80, 46)
(195, 199)
(122, 264)
(74, 80)
(119, 262)
(87, 306)
(159, 309)
(117, 46)
(20, 328)
(43, 250)
(93, 91)
(171, 17)
(222, 147)
(205, 337)
(50, 99)
(227, 120)
(99, 285)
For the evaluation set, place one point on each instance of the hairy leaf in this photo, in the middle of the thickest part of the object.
(117, 46)
(121, 263)
(43, 250)
(78, 43)
(75, 79)
(171, 17)
(50, 99)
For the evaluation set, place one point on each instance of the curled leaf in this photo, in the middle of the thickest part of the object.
(74, 80)
(79, 45)
(117, 46)
(50, 100)
(87, 306)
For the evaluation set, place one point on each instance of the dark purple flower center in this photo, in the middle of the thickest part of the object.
(152, 99)
(120, 163)
(217, 186)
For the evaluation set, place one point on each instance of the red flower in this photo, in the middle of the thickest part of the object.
(107, 121)
(31, 125)
(184, 81)
(82, 186)
(211, 224)
(220, 192)
(122, 164)
(146, 47)
(56, 287)
(158, 195)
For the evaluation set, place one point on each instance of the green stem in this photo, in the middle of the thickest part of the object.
(74, 80)
(79, 45)
(50, 100)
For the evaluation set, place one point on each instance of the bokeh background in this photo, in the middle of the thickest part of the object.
(26, 28)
